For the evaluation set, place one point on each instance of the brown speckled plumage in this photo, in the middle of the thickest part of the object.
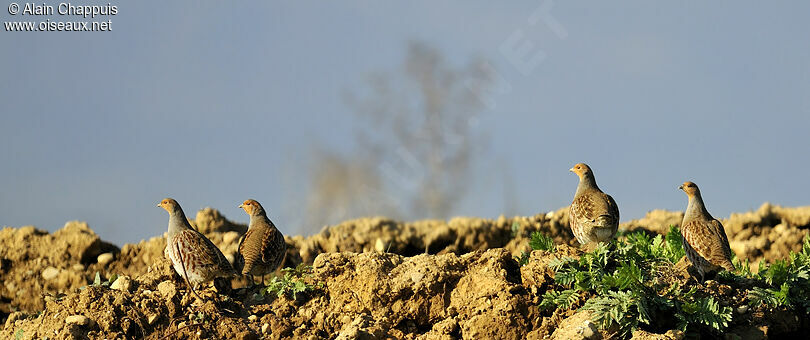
(593, 215)
(704, 238)
(194, 257)
(262, 249)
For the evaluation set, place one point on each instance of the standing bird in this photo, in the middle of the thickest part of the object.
(263, 248)
(704, 238)
(194, 257)
(594, 215)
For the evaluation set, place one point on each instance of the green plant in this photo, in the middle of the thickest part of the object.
(537, 241)
(98, 283)
(540, 241)
(787, 282)
(293, 282)
(19, 334)
(623, 280)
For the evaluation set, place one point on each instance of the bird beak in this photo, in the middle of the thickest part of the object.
(572, 169)
(240, 206)
(158, 205)
(681, 187)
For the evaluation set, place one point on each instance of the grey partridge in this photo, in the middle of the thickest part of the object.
(263, 248)
(194, 257)
(594, 215)
(704, 238)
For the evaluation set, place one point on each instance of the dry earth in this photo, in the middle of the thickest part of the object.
(381, 278)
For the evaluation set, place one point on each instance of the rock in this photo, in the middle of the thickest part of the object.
(122, 283)
(167, 289)
(80, 320)
(742, 309)
(77, 267)
(252, 317)
(574, 327)
(265, 328)
(379, 245)
(50, 273)
(589, 330)
(152, 319)
(105, 258)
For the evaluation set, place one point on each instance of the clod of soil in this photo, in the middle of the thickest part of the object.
(430, 279)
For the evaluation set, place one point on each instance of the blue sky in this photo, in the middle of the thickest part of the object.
(214, 103)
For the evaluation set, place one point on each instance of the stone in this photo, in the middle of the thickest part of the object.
(105, 258)
(589, 330)
(152, 319)
(167, 289)
(80, 320)
(122, 283)
(252, 317)
(50, 273)
(265, 328)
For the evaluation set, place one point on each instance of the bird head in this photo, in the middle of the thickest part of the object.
(689, 188)
(581, 170)
(251, 207)
(169, 204)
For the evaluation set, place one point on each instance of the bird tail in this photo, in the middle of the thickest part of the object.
(727, 265)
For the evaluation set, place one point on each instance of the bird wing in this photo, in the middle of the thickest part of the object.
(612, 208)
(273, 241)
(721, 252)
(709, 240)
(208, 253)
(588, 207)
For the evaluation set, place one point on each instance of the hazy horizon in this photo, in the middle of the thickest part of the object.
(215, 103)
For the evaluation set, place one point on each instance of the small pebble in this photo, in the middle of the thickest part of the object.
(589, 330)
(265, 328)
(252, 317)
(80, 320)
(105, 258)
(167, 289)
(122, 283)
(742, 309)
(50, 273)
(379, 245)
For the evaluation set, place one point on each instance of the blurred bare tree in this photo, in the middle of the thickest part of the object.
(415, 144)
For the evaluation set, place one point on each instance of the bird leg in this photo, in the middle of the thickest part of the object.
(185, 273)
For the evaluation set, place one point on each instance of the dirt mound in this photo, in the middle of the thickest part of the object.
(34, 262)
(432, 278)
(459, 235)
(368, 295)
(482, 294)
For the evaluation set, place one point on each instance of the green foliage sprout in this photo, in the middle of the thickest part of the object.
(540, 241)
(537, 241)
(622, 281)
(97, 282)
(787, 282)
(292, 283)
